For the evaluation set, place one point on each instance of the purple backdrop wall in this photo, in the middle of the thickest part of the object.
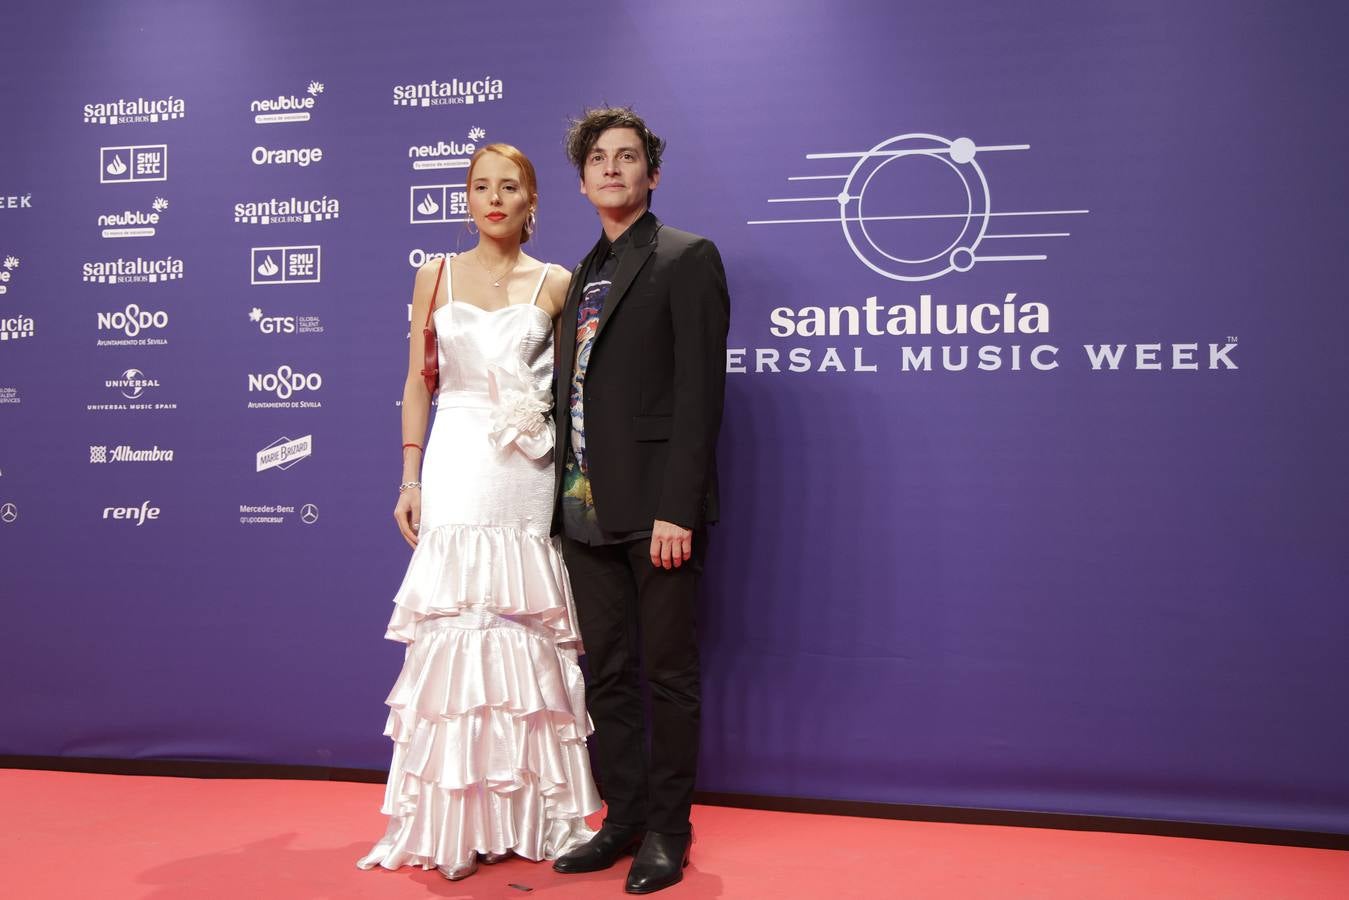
(1042, 581)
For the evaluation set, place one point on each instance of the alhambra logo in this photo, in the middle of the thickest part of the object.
(125, 453)
(133, 223)
(131, 164)
(456, 91)
(447, 154)
(137, 270)
(140, 109)
(291, 210)
(286, 107)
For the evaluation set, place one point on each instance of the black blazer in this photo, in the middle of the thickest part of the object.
(655, 383)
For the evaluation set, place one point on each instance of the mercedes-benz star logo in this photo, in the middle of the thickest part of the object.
(8, 513)
(309, 514)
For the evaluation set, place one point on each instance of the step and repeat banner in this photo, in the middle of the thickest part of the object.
(1034, 450)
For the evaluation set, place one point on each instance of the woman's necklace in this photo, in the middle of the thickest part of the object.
(496, 279)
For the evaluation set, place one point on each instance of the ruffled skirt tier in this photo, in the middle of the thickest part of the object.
(487, 716)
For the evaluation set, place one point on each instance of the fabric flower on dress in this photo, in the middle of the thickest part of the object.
(519, 414)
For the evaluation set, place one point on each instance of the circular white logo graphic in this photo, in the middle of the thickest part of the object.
(8, 513)
(309, 514)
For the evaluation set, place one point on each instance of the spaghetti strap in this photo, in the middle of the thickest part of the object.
(539, 287)
(449, 284)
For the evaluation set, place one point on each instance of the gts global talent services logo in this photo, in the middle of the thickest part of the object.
(130, 112)
(447, 154)
(286, 107)
(127, 165)
(133, 223)
(288, 211)
(286, 265)
(454, 92)
(285, 324)
(283, 453)
(7, 270)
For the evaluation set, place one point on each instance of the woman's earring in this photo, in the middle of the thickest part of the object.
(531, 223)
(472, 227)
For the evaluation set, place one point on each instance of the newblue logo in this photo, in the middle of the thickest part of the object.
(286, 265)
(125, 165)
(7, 273)
(133, 223)
(447, 154)
(286, 108)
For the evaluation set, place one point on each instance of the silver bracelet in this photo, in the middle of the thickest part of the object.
(409, 484)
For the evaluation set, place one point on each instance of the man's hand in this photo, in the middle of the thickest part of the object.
(671, 545)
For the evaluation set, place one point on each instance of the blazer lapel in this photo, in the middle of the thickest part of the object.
(643, 245)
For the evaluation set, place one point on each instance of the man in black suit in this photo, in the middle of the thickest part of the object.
(641, 374)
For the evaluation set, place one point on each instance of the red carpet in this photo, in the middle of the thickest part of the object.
(105, 837)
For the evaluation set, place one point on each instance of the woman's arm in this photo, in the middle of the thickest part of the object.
(416, 404)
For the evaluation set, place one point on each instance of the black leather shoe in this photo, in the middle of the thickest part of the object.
(601, 851)
(659, 864)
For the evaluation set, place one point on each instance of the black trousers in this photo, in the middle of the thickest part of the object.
(638, 618)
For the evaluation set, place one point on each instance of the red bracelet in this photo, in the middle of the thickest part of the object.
(418, 446)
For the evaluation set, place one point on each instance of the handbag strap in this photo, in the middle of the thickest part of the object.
(435, 292)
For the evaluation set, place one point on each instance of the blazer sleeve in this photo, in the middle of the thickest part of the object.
(700, 310)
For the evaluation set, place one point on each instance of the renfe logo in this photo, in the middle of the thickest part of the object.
(140, 514)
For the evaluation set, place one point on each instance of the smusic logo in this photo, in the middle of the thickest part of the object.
(286, 265)
(124, 112)
(437, 203)
(128, 223)
(446, 93)
(286, 108)
(275, 211)
(125, 165)
(283, 453)
(137, 270)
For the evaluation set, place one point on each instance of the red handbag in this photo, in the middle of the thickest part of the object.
(431, 353)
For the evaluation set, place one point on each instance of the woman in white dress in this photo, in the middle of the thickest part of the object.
(488, 714)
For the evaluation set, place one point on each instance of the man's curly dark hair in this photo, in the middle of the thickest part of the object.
(583, 132)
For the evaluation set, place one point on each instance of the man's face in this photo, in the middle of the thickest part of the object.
(616, 178)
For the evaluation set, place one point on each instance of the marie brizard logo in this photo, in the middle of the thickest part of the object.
(918, 206)
(283, 453)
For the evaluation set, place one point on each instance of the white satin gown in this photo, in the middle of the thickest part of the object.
(488, 715)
